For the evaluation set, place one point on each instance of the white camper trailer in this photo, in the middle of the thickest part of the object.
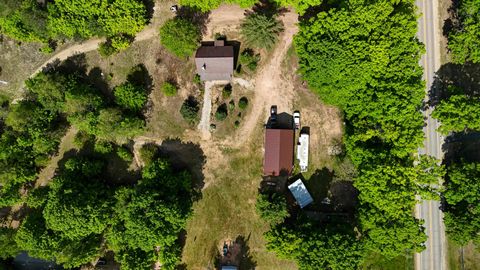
(302, 151)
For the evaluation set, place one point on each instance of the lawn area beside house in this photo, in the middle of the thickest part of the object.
(227, 211)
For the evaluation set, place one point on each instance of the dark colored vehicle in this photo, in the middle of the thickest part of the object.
(273, 113)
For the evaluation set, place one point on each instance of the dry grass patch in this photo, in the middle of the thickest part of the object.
(17, 62)
(227, 210)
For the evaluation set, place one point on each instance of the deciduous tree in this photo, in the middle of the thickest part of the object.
(180, 37)
(463, 41)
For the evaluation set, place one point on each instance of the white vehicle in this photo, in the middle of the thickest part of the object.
(296, 119)
(302, 151)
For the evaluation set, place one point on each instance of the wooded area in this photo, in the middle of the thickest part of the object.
(362, 56)
(29, 21)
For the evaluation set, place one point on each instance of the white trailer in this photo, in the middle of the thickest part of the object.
(302, 151)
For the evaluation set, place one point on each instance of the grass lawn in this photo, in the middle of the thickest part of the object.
(227, 211)
(17, 62)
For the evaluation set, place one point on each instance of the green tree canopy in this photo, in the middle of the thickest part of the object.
(463, 41)
(391, 237)
(130, 96)
(151, 215)
(180, 37)
(71, 18)
(207, 5)
(462, 194)
(8, 246)
(260, 30)
(315, 246)
(364, 58)
(40, 242)
(23, 20)
(272, 207)
(113, 125)
(458, 113)
(78, 203)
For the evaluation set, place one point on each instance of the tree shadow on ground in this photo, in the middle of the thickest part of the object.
(76, 64)
(267, 8)
(236, 253)
(460, 146)
(185, 156)
(96, 78)
(149, 6)
(312, 11)
(452, 23)
(465, 77)
(344, 196)
(247, 261)
(319, 184)
(195, 16)
(139, 75)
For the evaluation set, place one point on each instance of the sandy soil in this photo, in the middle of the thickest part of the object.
(271, 88)
(223, 19)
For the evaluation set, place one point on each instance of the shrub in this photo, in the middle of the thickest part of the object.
(125, 154)
(180, 37)
(114, 45)
(130, 96)
(249, 59)
(148, 153)
(231, 105)
(197, 79)
(189, 110)
(260, 30)
(243, 103)
(227, 91)
(237, 124)
(222, 112)
(105, 49)
(169, 89)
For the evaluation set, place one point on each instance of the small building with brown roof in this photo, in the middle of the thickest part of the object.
(279, 144)
(215, 61)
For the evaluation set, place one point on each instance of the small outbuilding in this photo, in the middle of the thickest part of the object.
(215, 61)
(279, 146)
(301, 194)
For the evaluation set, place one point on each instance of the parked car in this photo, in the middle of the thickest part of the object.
(296, 119)
(273, 113)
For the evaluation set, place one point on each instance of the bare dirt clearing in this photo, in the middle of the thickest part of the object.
(224, 19)
(271, 88)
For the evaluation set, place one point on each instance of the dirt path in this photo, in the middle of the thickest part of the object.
(223, 18)
(47, 173)
(91, 45)
(271, 88)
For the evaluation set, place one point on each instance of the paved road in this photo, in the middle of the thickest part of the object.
(434, 257)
